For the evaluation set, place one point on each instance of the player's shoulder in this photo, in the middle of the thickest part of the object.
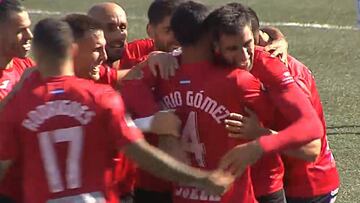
(146, 43)
(23, 63)
(244, 79)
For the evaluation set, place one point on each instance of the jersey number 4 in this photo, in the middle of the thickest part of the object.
(47, 140)
(191, 140)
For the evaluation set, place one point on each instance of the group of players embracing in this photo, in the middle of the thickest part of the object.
(210, 102)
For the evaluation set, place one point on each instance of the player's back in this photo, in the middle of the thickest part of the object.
(203, 96)
(64, 138)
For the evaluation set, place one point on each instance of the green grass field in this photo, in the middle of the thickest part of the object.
(332, 55)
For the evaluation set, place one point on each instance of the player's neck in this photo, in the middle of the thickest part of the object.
(51, 69)
(196, 53)
(5, 62)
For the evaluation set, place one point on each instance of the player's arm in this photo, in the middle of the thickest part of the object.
(164, 166)
(273, 40)
(249, 127)
(126, 137)
(161, 63)
(304, 123)
(308, 152)
(160, 123)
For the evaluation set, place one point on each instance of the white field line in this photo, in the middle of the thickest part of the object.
(280, 24)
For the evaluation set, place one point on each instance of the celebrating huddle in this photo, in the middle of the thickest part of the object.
(209, 108)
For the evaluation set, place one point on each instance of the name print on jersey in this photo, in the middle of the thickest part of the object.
(197, 100)
(57, 108)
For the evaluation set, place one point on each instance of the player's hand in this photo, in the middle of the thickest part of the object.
(278, 48)
(166, 123)
(135, 73)
(162, 62)
(218, 182)
(240, 126)
(240, 157)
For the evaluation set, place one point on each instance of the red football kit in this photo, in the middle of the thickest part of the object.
(136, 52)
(125, 172)
(291, 102)
(203, 95)
(10, 185)
(304, 179)
(64, 137)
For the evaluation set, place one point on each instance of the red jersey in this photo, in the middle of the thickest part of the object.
(291, 102)
(9, 77)
(136, 52)
(125, 172)
(10, 186)
(203, 95)
(64, 137)
(304, 179)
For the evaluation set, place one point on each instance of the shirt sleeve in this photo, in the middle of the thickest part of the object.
(253, 97)
(9, 145)
(293, 104)
(139, 97)
(121, 127)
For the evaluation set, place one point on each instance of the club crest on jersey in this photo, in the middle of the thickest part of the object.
(4, 84)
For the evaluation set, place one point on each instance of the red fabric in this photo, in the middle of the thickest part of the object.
(9, 77)
(55, 105)
(108, 75)
(291, 102)
(10, 185)
(136, 52)
(299, 118)
(304, 179)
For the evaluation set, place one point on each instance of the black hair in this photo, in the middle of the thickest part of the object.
(187, 22)
(255, 24)
(160, 9)
(80, 24)
(8, 6)
(227, 20)
(53, 37)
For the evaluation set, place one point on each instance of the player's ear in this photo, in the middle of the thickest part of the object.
(150, 30)
(216, 47)
(74, 49)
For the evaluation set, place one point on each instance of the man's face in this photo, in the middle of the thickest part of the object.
(163, 36)
(237, 50)
(115, 30)
(15, 35)
(91, 55)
